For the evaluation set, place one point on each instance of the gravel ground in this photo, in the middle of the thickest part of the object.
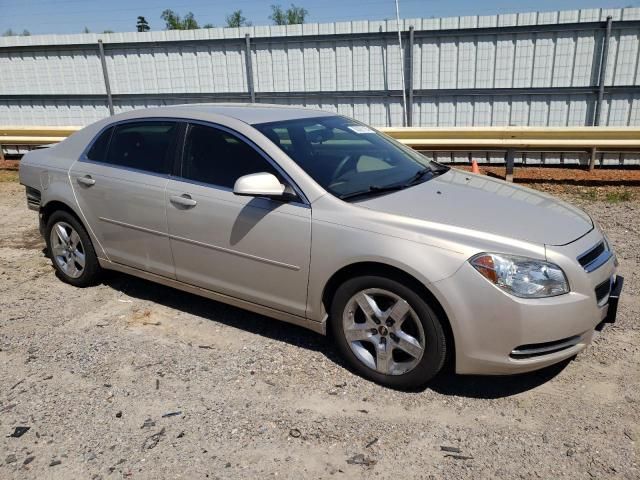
(131, 379)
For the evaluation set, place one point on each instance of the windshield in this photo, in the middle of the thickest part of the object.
(348, 158)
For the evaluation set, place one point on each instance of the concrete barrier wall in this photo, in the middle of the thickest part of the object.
(538, 69)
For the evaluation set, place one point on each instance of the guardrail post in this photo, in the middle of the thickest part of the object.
(410, 79)
(602, 72)
(592, 160)
(509, 161)
(249, 65)
(105, 74)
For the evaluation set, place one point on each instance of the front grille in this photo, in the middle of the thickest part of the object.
(602, 291)
(537, 349)
(595, 257)
(33, 198)
(589, 256)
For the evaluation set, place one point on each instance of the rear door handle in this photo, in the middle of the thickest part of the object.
(184, 200)
(87, 181)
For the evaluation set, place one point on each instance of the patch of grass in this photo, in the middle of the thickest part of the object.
(619, 196)
(590, 194)
(8, 176)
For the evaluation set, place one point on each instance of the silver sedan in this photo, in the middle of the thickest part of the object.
(319, 220)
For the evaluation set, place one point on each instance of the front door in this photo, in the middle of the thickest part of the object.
(254, 249)
(120, 186)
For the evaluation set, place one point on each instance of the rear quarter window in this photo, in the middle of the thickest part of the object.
(98, 151)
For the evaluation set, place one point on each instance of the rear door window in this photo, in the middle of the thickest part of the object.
(147, 146)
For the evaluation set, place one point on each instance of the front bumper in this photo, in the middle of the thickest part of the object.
(496, 333)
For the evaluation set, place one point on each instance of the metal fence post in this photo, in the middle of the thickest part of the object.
(410, 79)
(105, 74)
(602, 73)
(249, 64)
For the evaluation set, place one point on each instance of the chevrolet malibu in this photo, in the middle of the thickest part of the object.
(321, 221)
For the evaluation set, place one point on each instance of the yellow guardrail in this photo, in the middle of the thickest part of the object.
(472, 137)
(34, 135)
(518, 137)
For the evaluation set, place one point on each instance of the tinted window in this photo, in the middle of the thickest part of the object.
(145, 146)
(98, 151)
(218, 158)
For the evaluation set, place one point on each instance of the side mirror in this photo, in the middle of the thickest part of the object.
(259, 185)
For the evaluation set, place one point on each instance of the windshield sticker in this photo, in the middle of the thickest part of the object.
(360, 129)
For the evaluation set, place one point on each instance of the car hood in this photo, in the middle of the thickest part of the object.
(489, 205)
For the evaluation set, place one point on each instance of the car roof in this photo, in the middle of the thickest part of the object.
(250, 113)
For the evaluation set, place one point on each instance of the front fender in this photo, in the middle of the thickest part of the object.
(337, 246)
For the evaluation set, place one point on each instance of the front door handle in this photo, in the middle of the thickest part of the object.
(87, 181)
(184, 200)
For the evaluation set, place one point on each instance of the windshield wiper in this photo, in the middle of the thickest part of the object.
(418, 176)
(373, 190)
(438, 168)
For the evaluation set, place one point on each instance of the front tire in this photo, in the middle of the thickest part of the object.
(71, 250)
(387, 332)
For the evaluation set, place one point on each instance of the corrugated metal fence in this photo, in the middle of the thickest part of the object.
(538, 69)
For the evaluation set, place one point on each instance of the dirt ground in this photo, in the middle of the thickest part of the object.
(130, 379)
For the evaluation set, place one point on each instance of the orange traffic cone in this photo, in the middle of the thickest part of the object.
(474, 167)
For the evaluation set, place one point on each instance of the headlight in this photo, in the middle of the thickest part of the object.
(521, 276)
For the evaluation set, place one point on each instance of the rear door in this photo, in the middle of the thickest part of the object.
(120, 186)
(253, 248)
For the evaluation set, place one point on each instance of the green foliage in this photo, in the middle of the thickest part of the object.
(142, 25)
(236, 19)
(173, 21)
(291, 16)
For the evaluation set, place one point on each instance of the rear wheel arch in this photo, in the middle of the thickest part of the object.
(54, 206)
(389, 271)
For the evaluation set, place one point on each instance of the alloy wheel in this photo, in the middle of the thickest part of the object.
(67, 249)
(383, 331)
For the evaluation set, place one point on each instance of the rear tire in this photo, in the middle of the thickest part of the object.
(71, 250)
(387, 332)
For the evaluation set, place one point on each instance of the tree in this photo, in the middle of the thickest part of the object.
(107, 31)
(142, 25)
(86, 30)
(10, 33)
(291, 16)
(236, 19)
(173, 21)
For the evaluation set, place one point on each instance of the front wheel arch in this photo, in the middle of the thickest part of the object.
(384, 270)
